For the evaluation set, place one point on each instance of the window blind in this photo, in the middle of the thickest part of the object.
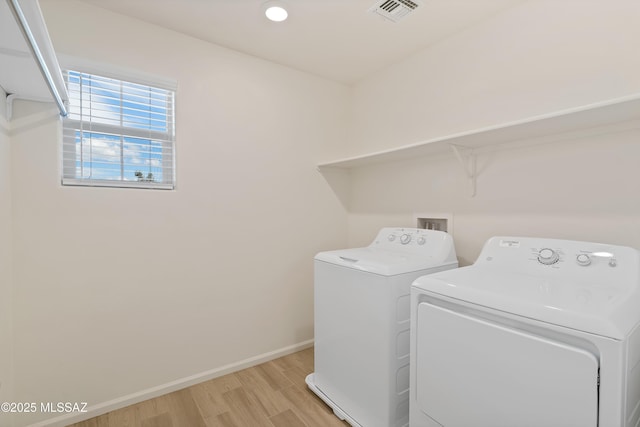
(118, 133)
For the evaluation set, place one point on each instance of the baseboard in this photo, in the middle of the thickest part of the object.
(121, 402)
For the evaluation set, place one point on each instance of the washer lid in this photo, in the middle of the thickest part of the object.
(605, 309)
(381, 260)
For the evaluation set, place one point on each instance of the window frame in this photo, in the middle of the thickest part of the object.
(167, 139)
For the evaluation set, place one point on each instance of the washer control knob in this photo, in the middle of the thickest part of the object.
(421, 240)
(583, 260)
(391, 237)
(405, 238)
(548, 256)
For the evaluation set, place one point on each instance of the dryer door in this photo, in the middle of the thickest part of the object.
(474, 373)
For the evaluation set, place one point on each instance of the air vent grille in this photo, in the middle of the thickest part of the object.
(394, 10)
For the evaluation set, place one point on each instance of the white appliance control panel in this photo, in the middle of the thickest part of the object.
(596, 261)
(397, 251)
(568, 282)
(581, 257)
(586, 286)
(411, 239)
(592, 287)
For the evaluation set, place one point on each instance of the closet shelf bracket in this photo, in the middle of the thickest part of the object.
(467, 158)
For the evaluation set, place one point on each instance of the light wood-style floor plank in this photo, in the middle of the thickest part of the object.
(245, 409)
(273, 394)
(184, 410)
(287, 418)
(273, 375)
(261, 393)
(313, 412)
(226, 419)
(162, 420)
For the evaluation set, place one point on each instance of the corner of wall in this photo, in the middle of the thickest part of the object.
(6, 266)
(4, 123)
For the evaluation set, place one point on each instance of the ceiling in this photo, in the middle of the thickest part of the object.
(336, 39)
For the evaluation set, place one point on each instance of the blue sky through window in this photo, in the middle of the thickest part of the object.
(120, 129)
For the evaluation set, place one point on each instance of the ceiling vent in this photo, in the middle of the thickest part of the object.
(394, 10)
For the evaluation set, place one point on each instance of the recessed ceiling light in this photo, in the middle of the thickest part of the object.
(275, 12)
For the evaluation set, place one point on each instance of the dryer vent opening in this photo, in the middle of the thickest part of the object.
(394, 10)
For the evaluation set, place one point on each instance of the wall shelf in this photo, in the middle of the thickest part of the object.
(573, 119)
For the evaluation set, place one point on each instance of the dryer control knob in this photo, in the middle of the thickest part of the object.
(405, 238)
(421, 240)
(583, 260)
(391, 237)
(548, 256)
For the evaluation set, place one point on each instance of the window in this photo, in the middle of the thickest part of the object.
(117, 133)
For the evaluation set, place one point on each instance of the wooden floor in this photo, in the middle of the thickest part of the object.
(273, 394)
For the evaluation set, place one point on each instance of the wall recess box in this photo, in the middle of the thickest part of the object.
(434, 221)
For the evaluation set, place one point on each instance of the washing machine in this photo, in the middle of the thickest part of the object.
(536, 333)
(362, 318)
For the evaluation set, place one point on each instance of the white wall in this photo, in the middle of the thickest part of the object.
(539, 57)
(118, 291)
(6, 276)
(536, 58)
(578, 189)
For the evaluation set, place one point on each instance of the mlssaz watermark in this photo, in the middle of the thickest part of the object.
(43, 407)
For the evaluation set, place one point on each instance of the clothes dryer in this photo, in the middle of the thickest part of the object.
(362, 323)
(538, 332)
